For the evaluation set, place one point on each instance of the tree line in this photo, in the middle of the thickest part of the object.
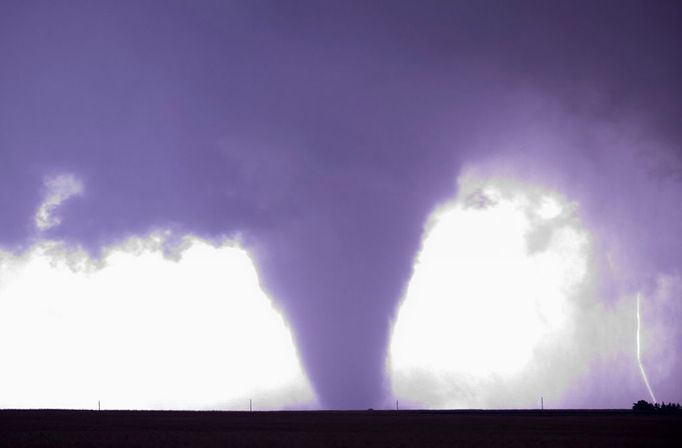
(645, 406)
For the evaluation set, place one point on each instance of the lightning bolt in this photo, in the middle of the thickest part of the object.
(639, 353)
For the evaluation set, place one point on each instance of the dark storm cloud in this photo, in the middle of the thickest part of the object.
(324, 133)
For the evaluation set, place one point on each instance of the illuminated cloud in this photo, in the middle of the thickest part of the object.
(147, 326)
(58, 189)
(503, 308)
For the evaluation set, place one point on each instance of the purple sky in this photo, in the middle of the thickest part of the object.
(324, 133)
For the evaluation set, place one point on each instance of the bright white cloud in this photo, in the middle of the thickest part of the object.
(140, 329)
(490, 297)
(58, 189)
(507, 304)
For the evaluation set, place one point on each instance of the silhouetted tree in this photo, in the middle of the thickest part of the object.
(643, 405)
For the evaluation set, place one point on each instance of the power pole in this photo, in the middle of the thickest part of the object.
(250, 405)
(397, 408)
(542, 404)
(99, 405)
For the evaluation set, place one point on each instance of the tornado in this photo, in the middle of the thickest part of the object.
(642, 370)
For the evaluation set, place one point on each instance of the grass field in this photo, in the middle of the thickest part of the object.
(338, 429)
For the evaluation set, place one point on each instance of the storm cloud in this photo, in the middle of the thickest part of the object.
(323, 134)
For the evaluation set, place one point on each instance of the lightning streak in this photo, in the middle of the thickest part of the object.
(639, 354)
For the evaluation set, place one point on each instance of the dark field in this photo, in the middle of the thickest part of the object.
(338, 429)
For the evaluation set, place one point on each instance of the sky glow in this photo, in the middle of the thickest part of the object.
(148, 326)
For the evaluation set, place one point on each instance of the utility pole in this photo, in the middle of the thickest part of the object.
(397, 408)
(542, 404)
(250, 405)
(99, 405)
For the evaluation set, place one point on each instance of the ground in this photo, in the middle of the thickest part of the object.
(338, 429)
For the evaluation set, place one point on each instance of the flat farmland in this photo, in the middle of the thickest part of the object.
(49, 428)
